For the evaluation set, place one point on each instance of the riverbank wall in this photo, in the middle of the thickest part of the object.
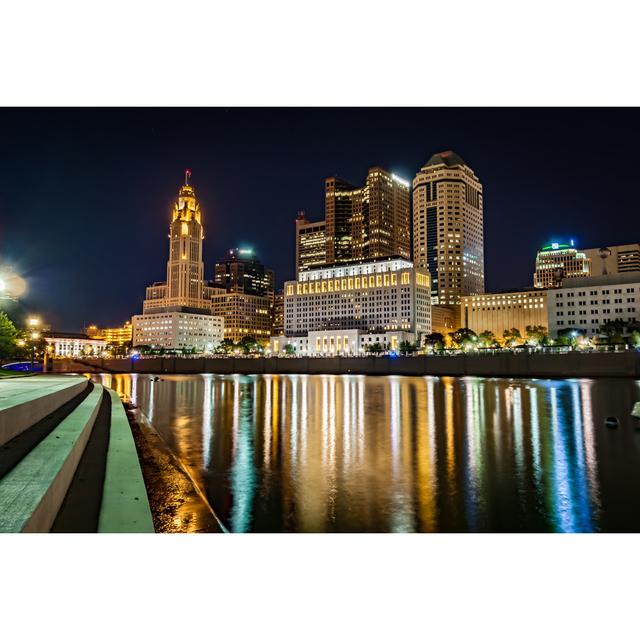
(508, 365)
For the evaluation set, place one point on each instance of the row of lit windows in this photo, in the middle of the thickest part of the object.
(348, 284)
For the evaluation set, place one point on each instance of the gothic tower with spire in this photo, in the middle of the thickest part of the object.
(185, 269)
(184, 286)
(176, 314)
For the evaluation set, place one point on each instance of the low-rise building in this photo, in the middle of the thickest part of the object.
(498, 312)
(74, 345)
(176, 329)
(111, 335)
(585, 304)
(339, 342)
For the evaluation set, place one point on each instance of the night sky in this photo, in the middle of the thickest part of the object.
(85, 194)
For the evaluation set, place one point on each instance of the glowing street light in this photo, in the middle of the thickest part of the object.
(33, 322)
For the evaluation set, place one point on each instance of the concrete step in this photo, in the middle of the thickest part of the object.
(26, 401)
(107, 493)
(32, 493)
(74, 470)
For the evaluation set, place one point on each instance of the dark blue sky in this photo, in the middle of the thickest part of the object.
(85, 193)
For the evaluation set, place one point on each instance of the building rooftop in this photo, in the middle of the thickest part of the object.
(597, 281)
(504, 292)
(67, 334)
(448, 158)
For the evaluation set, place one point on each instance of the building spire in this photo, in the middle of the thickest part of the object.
(187, 175)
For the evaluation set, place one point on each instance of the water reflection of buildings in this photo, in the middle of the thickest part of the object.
(356, 453)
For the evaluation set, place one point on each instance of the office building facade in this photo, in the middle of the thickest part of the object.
(240, 271)
(585, 304)
(311, 243)
(111, 335)
(499, 312)
(244, 315)
(614, 259)
(557, 262)
(373, 297)
(178, 330)
(368, 222)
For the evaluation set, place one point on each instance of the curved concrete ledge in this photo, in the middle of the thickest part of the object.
(33, 491)
(25, 401)
(125, 505)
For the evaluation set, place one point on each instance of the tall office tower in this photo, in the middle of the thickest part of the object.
(240, 271)
(368, 222)
(177, 313)
(448, 228)
(614, 259)
(557, 261)
(311, 240)
(185, 269)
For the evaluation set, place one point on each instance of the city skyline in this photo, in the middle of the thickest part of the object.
(80, 195)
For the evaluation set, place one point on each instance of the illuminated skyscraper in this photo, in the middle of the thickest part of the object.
(311, 243)
(244, 296)
(448, 228)
(185, 269)
(368, 222)
(177, 313)
(240, 271)
(556, 262)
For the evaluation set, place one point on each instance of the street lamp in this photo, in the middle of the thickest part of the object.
(33, 322)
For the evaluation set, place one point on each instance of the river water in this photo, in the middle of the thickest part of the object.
(315, 453)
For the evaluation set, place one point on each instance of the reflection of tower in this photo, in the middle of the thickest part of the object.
(185, 268)
(604, 253)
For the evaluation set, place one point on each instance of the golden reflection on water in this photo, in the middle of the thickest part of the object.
(357, 453)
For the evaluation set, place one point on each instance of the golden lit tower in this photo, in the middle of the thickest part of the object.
(185, 269)
(184, 286)
(176, 314)
(448, 228)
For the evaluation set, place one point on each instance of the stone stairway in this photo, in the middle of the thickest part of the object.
(68, 462)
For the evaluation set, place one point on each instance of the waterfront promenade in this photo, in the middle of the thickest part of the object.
(501, 364)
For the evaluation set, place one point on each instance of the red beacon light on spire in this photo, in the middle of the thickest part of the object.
(187, 175)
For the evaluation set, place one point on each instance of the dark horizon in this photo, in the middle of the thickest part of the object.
(85, 193)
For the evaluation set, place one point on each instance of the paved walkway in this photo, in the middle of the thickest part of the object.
(15, 391)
